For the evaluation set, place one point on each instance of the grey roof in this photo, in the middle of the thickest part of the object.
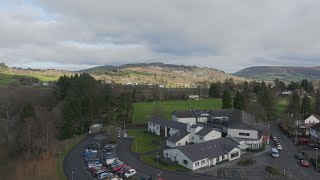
(169, 123)
(184, 114)
(317, 116)
(209, 149)
(316, 127)
(177, 136)
(204, 131)
(195, 126)
(237, 119)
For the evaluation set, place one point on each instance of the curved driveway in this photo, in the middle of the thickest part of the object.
(73, 162)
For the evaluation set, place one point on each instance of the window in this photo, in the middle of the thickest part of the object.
(154, 125)
(192, 138)
(203, 162)
(197, 164)
(244, 134)
(200, 137)
(234, 155)
(185, 162)
(179, 144)
(223, 157)
(157, 127)
(218, 159)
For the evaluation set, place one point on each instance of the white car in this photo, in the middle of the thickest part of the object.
(130, 173)
(104, 175)
(116, 179)
(93, 165)
(110, 161)
(274, 138)
(91, 150)
(125, 135)
(279, 147)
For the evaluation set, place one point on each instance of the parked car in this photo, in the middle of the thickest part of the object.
(91, 150)
(97, 164)
(109, 161)
(299, 156)
(116, 163)
(274, 138)
(105, 176)
(304, 163)
(276, 142)
(149, 178)
(279, 147)
(124, 170)
(130, 173)
(116, 179)
(274, 152)
(314, 145)
(117, 168)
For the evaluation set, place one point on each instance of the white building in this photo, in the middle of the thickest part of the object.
(193, 134)
(204, 154)
(315, 132)
(191, 116)
(313, 119)
(165, 128)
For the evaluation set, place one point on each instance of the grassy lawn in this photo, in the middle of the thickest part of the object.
(71, 142)
(143, 111)
(149, 159)
(143, 141)
(281, 106)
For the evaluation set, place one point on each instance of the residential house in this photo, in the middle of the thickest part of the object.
(315, 132)
(204, 154)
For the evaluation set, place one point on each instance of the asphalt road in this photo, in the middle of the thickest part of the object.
(287, 161)
(73, 161)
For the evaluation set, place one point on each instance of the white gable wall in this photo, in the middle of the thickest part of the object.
(311, 120)
(315, 135)
(240, 133)
(154, 128)
(212, 135)
(176, 155)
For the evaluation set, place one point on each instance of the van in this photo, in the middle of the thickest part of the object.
(275, 152)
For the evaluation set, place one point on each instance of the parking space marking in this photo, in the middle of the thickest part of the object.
(304, 173)
(228, 172)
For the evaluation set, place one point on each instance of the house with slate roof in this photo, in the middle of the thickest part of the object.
(165, 128)
(204, 154)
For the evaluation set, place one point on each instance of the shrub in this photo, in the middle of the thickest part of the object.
(272, 170)
(161, 161)
(246, 162)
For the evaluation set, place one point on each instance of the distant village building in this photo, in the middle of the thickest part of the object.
(194, 97)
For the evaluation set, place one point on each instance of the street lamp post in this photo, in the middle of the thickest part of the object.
(59, 157)
(296, 136)
(72, 175)
(316, 157)
(157, 159)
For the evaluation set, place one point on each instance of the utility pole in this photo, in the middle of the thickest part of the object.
(72, 175)
(296, 136)
(157, 159)
(316, 157)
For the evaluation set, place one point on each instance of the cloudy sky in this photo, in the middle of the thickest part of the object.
(228, 35)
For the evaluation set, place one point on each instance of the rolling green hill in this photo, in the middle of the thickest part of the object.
(284, 73)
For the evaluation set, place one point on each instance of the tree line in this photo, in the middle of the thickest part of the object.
(86, 101)
(260, 98)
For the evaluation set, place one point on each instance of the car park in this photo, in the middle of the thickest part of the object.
(304, 163)
(130, 173)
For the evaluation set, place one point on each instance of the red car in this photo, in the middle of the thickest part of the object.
(119, 167)
(304, 163)
(124, 170)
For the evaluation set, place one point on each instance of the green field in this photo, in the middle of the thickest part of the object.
(281, 106)
(143, 141)
(143, 111)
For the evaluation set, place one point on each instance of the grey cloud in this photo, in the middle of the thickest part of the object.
(227, 34)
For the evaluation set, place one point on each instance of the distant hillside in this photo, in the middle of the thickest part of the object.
(169, 75)
(12, 75)
(285, 73)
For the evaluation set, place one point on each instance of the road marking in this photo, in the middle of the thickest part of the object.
(304, 173)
